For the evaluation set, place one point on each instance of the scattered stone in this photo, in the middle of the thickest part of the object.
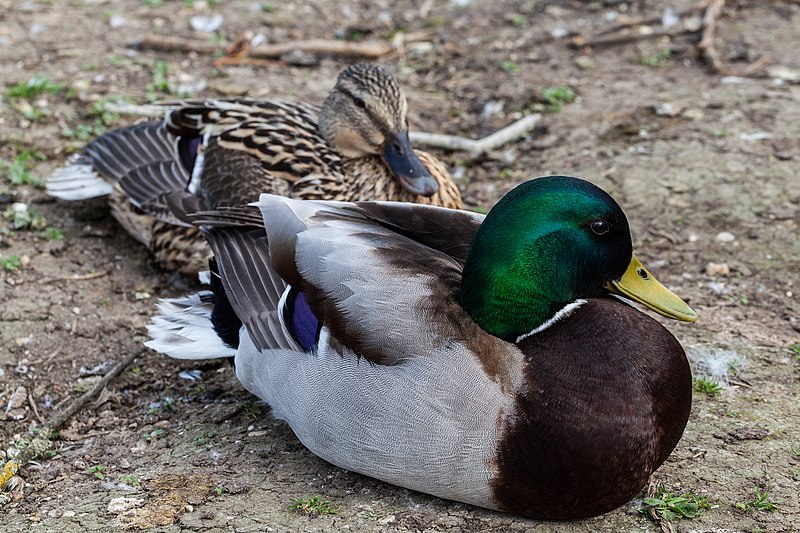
(717, 269)
(117, 21)
(420, 49)
(585, 63)
(693, 114)
(388, 519)
(122, 504)
(206, 23)
(743, 433)
(782, 73)
(755, 136)
(667, 109)
(143, 295)
(15, 409)
(22, 341)
(259, 433)
(725, 236)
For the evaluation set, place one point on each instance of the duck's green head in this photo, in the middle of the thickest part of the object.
(366, 115)
(547, 243)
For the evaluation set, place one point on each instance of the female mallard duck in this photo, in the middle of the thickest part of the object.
(217, 153)
(501, 373)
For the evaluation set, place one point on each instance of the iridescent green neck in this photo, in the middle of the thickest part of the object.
(534, 254)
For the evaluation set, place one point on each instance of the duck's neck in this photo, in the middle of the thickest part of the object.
(510, 291)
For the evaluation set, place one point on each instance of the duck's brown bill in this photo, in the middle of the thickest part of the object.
(406, 166)
(639, 285)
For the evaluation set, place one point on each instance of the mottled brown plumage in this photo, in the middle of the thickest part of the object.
(219, 153)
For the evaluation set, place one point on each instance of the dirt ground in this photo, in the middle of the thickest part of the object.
(705, 166)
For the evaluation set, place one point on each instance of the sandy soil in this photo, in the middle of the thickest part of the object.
(705, 166)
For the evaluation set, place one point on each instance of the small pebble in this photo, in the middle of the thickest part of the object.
(206, 24)
(717, 269)
(693, 114)
(585, 63)
(725, 236)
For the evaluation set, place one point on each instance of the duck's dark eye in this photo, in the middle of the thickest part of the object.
(359, 102)
(600, 226)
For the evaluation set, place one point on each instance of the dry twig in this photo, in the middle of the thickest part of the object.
(709, 50)
(43, 442)
(479, 147)
(76, 277)
(365, 49)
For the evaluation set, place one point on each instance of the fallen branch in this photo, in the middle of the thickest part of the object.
(649, 21)
(43, 442)
(479, 147)
(709, 50)
(164, 43)
(600, 40)
(617, 34)
(365, 49)
(76, 277)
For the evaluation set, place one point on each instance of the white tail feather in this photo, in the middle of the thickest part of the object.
(183, 330)
(77, 181)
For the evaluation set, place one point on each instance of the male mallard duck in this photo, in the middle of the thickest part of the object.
(476, 359)
(217, 153)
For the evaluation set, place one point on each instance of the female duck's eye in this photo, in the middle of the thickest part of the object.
(600, 226)
(359, 102)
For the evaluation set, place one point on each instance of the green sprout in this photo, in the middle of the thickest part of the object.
(99, 471)
(556, 97)
(708, 386)
(664, 506)
(761, 502)
(10, 263)
(314, 506)
(36, 85)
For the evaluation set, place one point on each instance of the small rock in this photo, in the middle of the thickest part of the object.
(725, 236)
(743, 433)
(782, 73)
(388, 519)
(667, 109)
(206, 24)
(15, 407)
(755, 136)
(257, 433)
(492, 108)
(122, 504)
(717, 269)
(141, 295)
(420, 49)
(693, 114)
(22, 341)
(117, 21)
(585, 63)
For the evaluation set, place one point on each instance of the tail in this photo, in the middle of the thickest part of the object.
(184, 330)
(117, 155)
(78, 180)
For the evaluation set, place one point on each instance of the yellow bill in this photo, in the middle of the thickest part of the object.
(640, 286)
